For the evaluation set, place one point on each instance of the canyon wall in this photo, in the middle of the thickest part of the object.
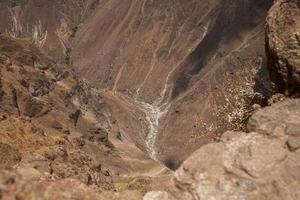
(181, 64)
(173, 74)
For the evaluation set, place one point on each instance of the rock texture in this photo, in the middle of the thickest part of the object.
(283, 45)
(262, 164)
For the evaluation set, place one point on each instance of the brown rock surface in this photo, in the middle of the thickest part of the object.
(283, 45)
(251, 165)
(17, 186)
(278, 120)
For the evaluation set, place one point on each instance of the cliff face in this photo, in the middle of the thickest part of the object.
(180, 64)
(283, 46)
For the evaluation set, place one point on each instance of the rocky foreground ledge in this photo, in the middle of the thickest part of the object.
(261, 164)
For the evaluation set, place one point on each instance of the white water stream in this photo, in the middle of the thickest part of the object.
(155, 111)
(161, 105)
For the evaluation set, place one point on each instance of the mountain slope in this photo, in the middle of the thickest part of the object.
(56, 126)
(176, 62)
(100, 99)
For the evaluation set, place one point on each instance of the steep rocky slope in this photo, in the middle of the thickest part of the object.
(283, 46)
(190, 69)
(157, 80)
(54, 126)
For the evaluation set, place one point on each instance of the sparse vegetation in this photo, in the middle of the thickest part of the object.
(239, 95)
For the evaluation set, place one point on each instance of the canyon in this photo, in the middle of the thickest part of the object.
(147, 99)
(166, 62)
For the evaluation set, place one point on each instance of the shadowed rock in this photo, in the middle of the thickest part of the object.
(283, 45)
(255, 165)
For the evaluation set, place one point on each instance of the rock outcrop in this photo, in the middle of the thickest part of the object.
(283, 45)
(262, 164)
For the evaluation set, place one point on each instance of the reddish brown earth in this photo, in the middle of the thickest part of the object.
(99, 98)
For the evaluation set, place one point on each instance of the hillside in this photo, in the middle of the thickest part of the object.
(190, 67)
(145, 99)
(56, 126)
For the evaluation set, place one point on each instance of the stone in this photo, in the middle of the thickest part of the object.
(278, 120)
(261, 164)
(39, 87)
(29, 173)
(31, 107)
(242, 166)
(293, 143)
(283, 45)
(253, 153)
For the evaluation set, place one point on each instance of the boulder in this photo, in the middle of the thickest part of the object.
(283, 45)
(263, 164)
(278, 120)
